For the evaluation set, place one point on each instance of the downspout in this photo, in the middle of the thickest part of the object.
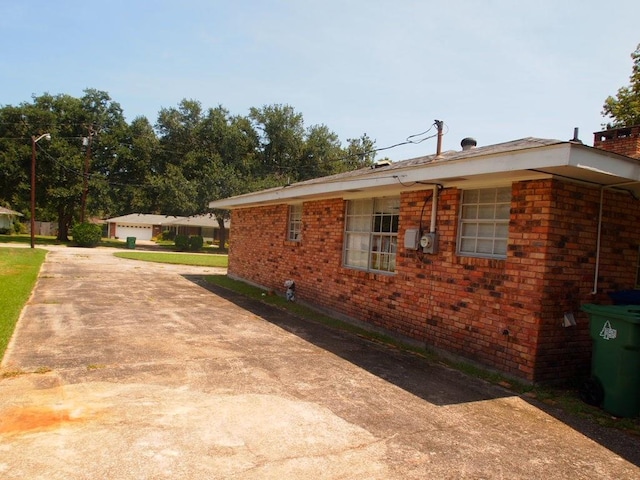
(599, 234)
(434, 209)
(436, 190)
(598, 240)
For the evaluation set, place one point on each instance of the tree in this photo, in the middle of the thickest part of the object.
(199, 150)
(106, 141)
(181, 159)
(15, 154)
(176, 193)
(624, 109)
(322, 154)
(97, 164)
(205, 155)
(360, 152)
(62, 179)
(281, 139)
(59, 172)
(130, 171)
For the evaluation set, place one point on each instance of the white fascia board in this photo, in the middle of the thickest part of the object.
(617, 168)
(514, 162)
(503, 167)
(299, 192)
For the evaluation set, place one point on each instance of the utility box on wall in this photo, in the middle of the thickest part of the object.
(429, 242)
(411, 238)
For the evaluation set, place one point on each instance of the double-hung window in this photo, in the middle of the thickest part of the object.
(294, 229)
(484, 222)
(371, 234)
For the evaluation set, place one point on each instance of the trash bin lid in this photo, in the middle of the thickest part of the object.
(628, 313)
(625, 297)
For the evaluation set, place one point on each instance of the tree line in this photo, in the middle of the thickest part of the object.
(96, 164)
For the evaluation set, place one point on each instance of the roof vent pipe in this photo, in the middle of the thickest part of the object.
(575, 138)
(468, 143)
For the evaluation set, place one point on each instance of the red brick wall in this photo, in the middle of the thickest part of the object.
(624, 141)
(504, 313)
(553, 232)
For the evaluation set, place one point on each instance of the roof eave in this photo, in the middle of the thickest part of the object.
(567, 159)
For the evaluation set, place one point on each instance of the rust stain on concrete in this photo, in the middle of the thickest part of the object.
(15, 420)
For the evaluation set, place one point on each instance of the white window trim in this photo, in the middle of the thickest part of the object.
(469, 227)
(366, 256)
(294, 223)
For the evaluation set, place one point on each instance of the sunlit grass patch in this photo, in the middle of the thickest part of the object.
(202, 260)
(19, 269)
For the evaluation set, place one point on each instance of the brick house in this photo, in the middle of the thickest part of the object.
(485, 253)
(205, 225)
(139, 225)
(144, 226)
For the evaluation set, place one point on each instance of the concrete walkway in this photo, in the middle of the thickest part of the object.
(134, 370)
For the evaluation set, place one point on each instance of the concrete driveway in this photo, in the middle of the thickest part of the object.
(133, 370)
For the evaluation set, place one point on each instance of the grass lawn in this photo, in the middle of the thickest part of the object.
(19, 269)
(50, 240)
(25, 238)
(209, 260)
(104, 242)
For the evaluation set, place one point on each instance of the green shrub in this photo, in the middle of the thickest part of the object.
(182, 243)
(169, 235)
(195, 243)
(86, 234)
(19, 227)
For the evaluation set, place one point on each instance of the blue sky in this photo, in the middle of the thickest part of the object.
(495, 70)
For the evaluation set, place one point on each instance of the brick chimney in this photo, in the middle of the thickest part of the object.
(624, 141)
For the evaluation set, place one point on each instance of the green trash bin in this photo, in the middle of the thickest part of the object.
(131, 243)
(615, 360)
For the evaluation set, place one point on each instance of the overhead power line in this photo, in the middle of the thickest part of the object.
(411, 139)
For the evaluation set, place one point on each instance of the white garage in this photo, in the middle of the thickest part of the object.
(142, 226)
(141, 232)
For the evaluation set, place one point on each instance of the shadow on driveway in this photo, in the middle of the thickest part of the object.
(434, 383)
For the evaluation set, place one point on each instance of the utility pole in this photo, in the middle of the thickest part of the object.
(439, 124)
(34, 140)
(85, 177)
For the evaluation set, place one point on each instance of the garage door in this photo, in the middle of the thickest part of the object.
(141, 232)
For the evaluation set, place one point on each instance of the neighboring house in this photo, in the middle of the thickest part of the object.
(147, 226)
(486, 253)
(7, 218)
(139, 225)
(204, 225)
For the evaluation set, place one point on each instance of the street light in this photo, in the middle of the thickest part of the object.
(34, 140)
